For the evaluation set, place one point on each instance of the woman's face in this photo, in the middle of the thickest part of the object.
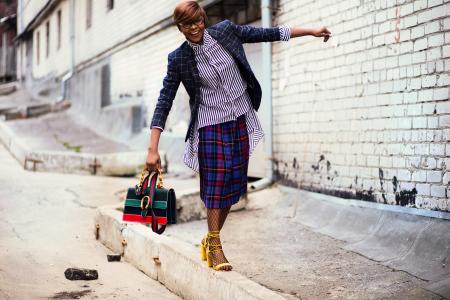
(193, 31)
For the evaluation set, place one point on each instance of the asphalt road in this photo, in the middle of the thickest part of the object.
(46, 226)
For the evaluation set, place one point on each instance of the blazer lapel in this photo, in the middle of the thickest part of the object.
(192, 64)
(220, 38)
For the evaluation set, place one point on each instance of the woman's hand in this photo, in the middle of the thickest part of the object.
(153, 161)
(322, 32)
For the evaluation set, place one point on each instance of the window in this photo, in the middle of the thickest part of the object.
(88, 14)
(239, 12)
(59, 29)
(47, 38)
(105, 88)
(109, 4)
(38, 42)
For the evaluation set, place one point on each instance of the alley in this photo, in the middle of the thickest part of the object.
(46, 227)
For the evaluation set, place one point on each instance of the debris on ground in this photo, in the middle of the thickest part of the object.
(81, 274)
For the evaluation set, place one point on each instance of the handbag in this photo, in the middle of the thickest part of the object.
(150, 203)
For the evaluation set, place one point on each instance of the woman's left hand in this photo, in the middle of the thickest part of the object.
(322, 32)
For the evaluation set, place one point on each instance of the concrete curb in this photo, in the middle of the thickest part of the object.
(401, 239)
(190, 207)
(119, 163)
(8, 88)
(173, 263)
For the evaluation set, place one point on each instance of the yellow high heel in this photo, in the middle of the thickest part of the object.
(203, 248)
(214, 248)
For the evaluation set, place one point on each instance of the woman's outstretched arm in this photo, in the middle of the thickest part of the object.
(317, 32)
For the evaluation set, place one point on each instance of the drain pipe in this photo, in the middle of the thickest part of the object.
(68, 75)
(266, 21)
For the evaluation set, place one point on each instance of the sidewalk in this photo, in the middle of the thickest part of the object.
(302, 245)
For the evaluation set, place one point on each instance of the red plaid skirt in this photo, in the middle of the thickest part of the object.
(223, 154)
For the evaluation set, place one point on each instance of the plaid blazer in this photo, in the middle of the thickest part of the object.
(182, 67)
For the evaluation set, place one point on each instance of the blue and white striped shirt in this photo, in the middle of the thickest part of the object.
(223, 94)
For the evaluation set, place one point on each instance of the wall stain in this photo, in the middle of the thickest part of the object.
(381, 176)
(405, 197)
(323, 168)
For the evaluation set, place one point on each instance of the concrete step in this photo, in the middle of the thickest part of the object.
(57, 143)
(172, 262)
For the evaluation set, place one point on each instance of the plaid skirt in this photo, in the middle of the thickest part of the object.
(223, 155)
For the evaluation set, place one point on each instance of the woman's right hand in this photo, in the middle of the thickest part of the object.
(153, 161)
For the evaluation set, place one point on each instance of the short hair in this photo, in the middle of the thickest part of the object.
(187, 12)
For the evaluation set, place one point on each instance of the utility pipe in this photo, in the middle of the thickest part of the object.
(266, 20)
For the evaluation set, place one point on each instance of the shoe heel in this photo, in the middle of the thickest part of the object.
(202, 252)
(209, 262)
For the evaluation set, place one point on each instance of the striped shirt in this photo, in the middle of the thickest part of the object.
(223, 94)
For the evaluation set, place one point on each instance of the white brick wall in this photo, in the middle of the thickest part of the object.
(376, 110)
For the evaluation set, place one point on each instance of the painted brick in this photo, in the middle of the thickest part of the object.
(432, 122)
(446, 178)
(441, 94)
(425, 95)
(436, 40)
(446, 135)
(410, 21)
(446, 51)
(432, 3)
(443, 107)
(403, 174)
(419, 122)
(446, 23)
(437, 149)
(444, 121)
(432, 27)
(428, 163)
(434, 176)
(443, 79)
(419, 176)
(431, 55)
(438, 191)
(417, 32)
(420, 4)
(429, 81)
(423, 189)
(418, 57)
(420, 44)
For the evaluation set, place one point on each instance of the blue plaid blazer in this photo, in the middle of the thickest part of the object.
(182, 67)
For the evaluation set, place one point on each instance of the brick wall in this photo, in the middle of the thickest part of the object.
(367, 114)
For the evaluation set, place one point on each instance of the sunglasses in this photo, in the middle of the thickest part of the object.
(189, 26)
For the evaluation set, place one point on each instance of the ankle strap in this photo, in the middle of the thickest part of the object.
(213, 233)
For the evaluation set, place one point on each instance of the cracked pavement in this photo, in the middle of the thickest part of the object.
(46, 226)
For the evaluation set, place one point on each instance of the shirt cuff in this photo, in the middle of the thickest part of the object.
(285, 33)
(157, 127)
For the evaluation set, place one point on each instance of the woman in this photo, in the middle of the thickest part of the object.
(224, 95)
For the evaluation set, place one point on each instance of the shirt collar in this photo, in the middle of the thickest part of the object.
(207, 41)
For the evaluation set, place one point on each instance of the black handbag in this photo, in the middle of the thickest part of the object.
(150, 203)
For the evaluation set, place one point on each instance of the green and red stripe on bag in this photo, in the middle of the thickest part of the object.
(150, 203)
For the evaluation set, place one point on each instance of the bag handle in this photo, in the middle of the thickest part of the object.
(150, 181)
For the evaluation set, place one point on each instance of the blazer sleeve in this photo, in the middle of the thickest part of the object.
(171, 83)
(251, 34)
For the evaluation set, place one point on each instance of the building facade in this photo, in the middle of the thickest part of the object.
(367, 115)
(7, 36)
(364, 116)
